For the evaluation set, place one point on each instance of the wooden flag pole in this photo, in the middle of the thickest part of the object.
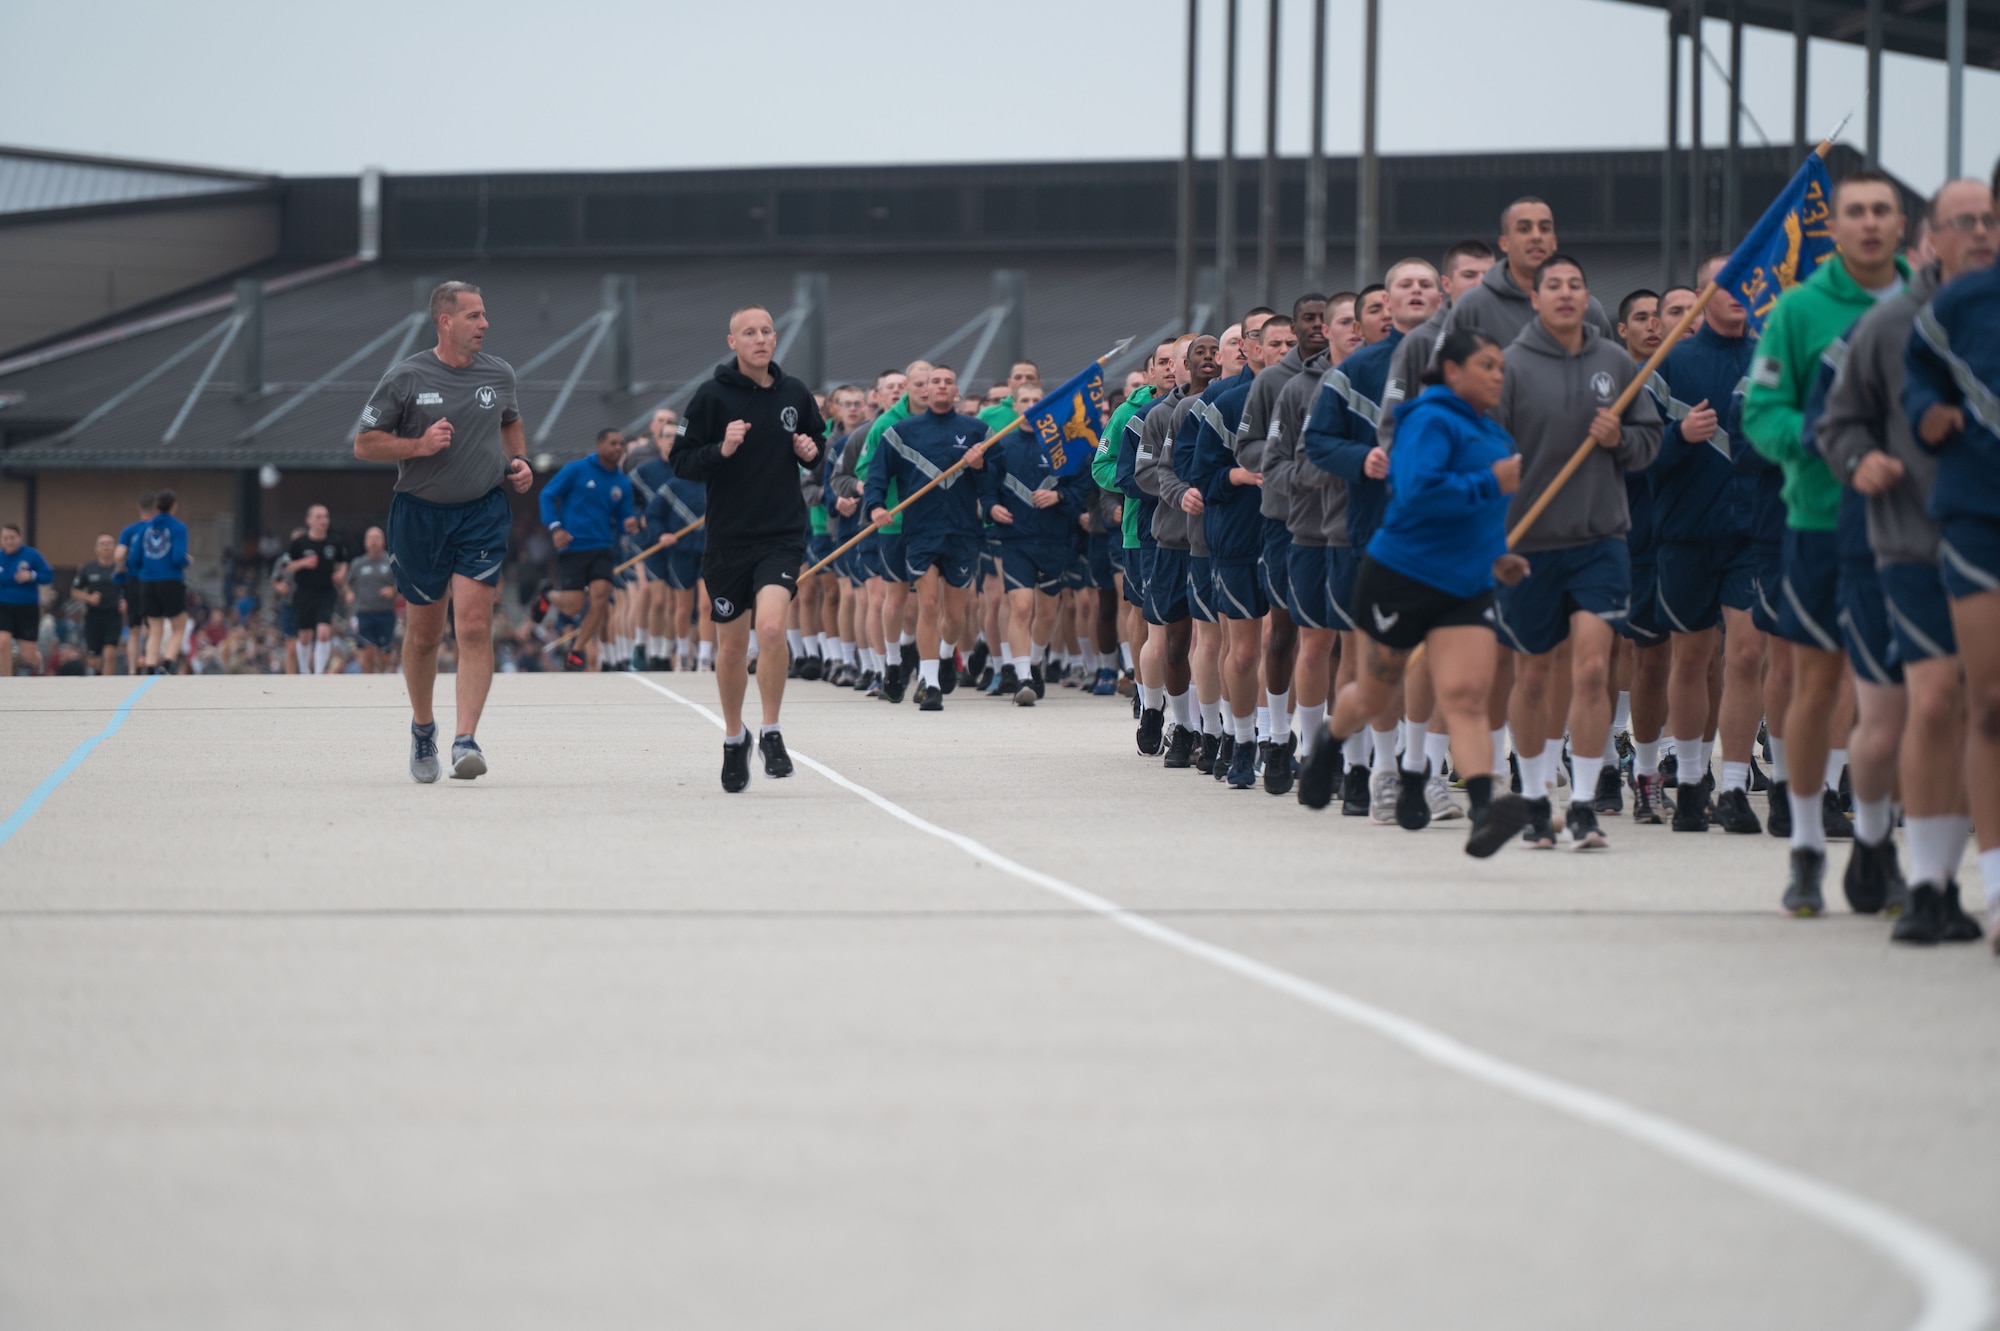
(659, 545)
(977, 450)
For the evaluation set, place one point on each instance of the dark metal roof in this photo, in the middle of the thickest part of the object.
(881, 312)
(1909, 27)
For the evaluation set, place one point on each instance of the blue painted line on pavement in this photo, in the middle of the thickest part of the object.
(19, 818)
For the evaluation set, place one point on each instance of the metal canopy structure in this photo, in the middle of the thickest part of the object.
(1909, 27)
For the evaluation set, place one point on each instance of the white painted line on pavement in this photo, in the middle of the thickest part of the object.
(1955, 1287)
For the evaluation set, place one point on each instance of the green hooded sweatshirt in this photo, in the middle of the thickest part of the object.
(1805, 322)
(899, 412)
(1104, 466)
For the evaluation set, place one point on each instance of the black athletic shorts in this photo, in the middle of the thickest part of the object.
(101, 627)
(580, 568)
(23, 621)
(163, 600)
(734, 576)
(1399, 611)
(312, 607)
(135, 606)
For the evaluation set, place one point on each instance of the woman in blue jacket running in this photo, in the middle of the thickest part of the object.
(1427, 579)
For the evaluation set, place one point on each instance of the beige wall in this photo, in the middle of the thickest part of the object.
(57, 275)
(73, 507)
(14, 501)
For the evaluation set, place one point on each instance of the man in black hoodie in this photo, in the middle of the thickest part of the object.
(745, 435)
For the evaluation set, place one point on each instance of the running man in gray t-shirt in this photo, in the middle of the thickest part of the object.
(448, 418)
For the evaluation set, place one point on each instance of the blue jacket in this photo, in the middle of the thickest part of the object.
(1758, 501)
(129, 538)
(1341, 432)
(674, 505)
(23, 593)
(647, 478)
(1231, 522)
(914, 452)
(1447, 520)
(1015, 469)
(1700, 491)
(1953, 359)
(591, 501)
(162, 550)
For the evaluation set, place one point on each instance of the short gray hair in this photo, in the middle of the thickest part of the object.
(444, 297)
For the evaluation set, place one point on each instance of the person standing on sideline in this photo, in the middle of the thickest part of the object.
(162, 569)
(449, 419)
(316, 563)
(744, 436)
(371, 596)
(96, 585)
(23, 574)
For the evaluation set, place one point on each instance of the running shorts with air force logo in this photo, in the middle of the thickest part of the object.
(734, 575)
(1533, 615)
(1036, 566)
(1698, 580)
(430, 543)
(1399, 612)
(951, 553)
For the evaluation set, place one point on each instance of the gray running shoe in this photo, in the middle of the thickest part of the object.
(1803, 896)
(1383, 788)
(1443, 807)
(424, 767)
(467, 761)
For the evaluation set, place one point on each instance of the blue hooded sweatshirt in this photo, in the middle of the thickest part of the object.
(1447, 520)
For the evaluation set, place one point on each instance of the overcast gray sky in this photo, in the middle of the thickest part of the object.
(530, 84)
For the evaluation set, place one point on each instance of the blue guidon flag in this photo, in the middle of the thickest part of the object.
(1069, 420)
(1793, 237)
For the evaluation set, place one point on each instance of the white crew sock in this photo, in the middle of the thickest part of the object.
(684, 646)
(1243, 727)
(928, 669)
(1264, 722)
(1835, 760)
(322, 653)
(1937, 844)
(1500, 750)
(1583, 776)
(1354, 749)
(1735, 776)
(906, 640)
(1149, 699)
(947, 651)
(1384, 758)
(1181, 705)
(1414, 753)
(1211, 717)
(1707, 756)
(1690, 768)
(1310, 720)
(742, 736)
(1989, 873)
(816, 645)
(304, 653)
(1780, 769)
(795, 640)
(1621, 715)
(1872, 820)
(1281, 713)
(1107, 661)
(1125, 655)
(1645, 758)
(1437, 751)
(1808, 832)
(754, 648)
(706, 653)
(1533, 785)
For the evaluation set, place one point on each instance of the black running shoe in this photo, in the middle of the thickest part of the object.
(1803, 897)
(735, 765)
(777, 763)
(1956, 926)
(1224, 756)
(948, 675)
(1010, 683)
(1280, 767)
(1497, 824)
(1211, 745)
(811, 667)
(1353, 791)
(1413, 804)
(1583, 828)
(985, 681)
(892, 683)
(1135, 704)
(1514, 773)
(1866, 881)
(1180, 747)
(975, 664)
(1922, 921)
(1778, 822)
(933, 699)
(1036, 682)
(1670, 770)
(751, 668)
(1834, 820)
(1151, 723)
(906, 654)
(1243, 767)
(1539, 833)
(968, 678)
(1319, 774)
(1610, 796)
(1733, 812)
(1690, 809)
(1758, 781)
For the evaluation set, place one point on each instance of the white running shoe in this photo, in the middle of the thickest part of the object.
(1438, 794)
(1382, 789)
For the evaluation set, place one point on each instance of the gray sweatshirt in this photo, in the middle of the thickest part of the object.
(1547, 403)
(1864, 412)
(845, 482)
(1253, 431)
(1316, 511)
(1155, 454)
(1499, 309)
(1172, 487)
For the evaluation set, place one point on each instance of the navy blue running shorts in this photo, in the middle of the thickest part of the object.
(1201, 589)
(1305, 578)
(951, 553)
(1919, 612)
(431, 543)
(1032, 567)
(1864, 626)
(1533, 615)
(1969, 557)
(1239, 592)
(1809, 591)
(1167, 588)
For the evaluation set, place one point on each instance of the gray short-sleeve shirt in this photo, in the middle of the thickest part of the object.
(477, 400)
(367, 578)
